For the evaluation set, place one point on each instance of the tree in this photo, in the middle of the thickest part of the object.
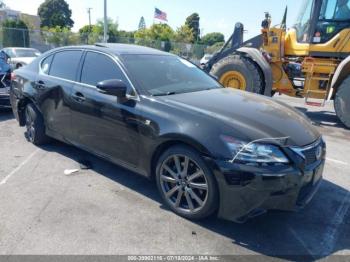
(142, 24)
(126, 37)
(212, 38)
(15, 33)
(161, 32)
(112, 29)
(157, 36)
(214, 48)
(193, 22)
(60, 36)
(91, 34)
(94, 33)
(184, 34)
(55, 13)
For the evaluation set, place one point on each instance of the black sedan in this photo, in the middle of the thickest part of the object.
(210, 149)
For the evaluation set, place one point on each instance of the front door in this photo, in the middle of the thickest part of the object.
(103, 124)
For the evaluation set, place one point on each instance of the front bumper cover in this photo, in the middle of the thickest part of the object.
(247, 191)
(4, 98)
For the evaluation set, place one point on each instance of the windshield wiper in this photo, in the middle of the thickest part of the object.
(165, 94)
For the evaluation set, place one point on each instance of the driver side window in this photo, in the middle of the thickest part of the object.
(99, 67)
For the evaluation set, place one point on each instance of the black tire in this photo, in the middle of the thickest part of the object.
(210, 196)
(245, 66)
(342, 102)
(35, 126)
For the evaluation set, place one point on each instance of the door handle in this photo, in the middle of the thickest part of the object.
(40, 84)
(79, 97)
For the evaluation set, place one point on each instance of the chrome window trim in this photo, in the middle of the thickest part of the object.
(115, 59)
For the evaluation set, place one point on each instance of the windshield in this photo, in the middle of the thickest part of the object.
(303, 21)
(26, 53)
(165, 75)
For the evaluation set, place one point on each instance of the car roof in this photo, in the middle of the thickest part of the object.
(20, 48)
(120, 49)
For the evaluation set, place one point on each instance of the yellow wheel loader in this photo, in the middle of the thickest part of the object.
(310, 60)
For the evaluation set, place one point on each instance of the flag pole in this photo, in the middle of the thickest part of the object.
(105, 27)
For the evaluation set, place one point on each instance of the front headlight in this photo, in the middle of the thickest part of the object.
(254, 152)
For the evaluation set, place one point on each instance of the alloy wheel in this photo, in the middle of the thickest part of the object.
(184, 184)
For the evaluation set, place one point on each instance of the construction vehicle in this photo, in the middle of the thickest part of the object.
(310, 60)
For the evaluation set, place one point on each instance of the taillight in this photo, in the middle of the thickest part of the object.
(13, 76)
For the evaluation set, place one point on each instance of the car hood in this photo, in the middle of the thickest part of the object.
(25, 60)
(248, 116)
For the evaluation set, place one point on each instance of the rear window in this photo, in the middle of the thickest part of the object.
(65, 64)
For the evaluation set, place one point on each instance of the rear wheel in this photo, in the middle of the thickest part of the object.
(237, 71)
(186, 184)
(342, 102)
(35, 126)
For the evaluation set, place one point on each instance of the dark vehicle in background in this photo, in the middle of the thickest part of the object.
(210, 149)
(19, 56)
(5, 80)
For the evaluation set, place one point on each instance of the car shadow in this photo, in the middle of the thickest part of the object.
(320, 230)
(323, 118)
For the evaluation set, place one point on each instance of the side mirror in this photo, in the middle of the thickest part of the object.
(113, 87)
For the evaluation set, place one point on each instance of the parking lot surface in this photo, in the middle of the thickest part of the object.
(109, 210)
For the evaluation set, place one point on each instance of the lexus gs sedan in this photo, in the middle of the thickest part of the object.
(210, 150)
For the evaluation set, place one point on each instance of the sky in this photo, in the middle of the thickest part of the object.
(216, 16)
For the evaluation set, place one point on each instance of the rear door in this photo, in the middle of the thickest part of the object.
(102, 123)
(55, 84)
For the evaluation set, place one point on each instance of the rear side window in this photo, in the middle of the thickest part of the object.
(99, 67)
(65, 64)
(46, 64)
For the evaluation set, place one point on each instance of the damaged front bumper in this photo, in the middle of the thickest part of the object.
(247, 191)
(4, 98)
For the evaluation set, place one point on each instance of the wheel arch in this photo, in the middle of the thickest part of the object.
(256, 56)
(170, 141)
(341, 73)
(22, 103)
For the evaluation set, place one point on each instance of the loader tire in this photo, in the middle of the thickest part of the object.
(342, 102)
(237, 71)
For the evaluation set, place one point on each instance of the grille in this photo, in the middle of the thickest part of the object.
(310, 155)
(310, 152)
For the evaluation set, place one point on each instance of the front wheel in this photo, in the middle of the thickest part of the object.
(186, 184)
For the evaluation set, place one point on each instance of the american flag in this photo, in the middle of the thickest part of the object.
(158, 14)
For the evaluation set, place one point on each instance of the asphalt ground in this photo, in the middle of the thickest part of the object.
(108, 210)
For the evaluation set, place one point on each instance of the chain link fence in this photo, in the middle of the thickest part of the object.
(46, 40)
